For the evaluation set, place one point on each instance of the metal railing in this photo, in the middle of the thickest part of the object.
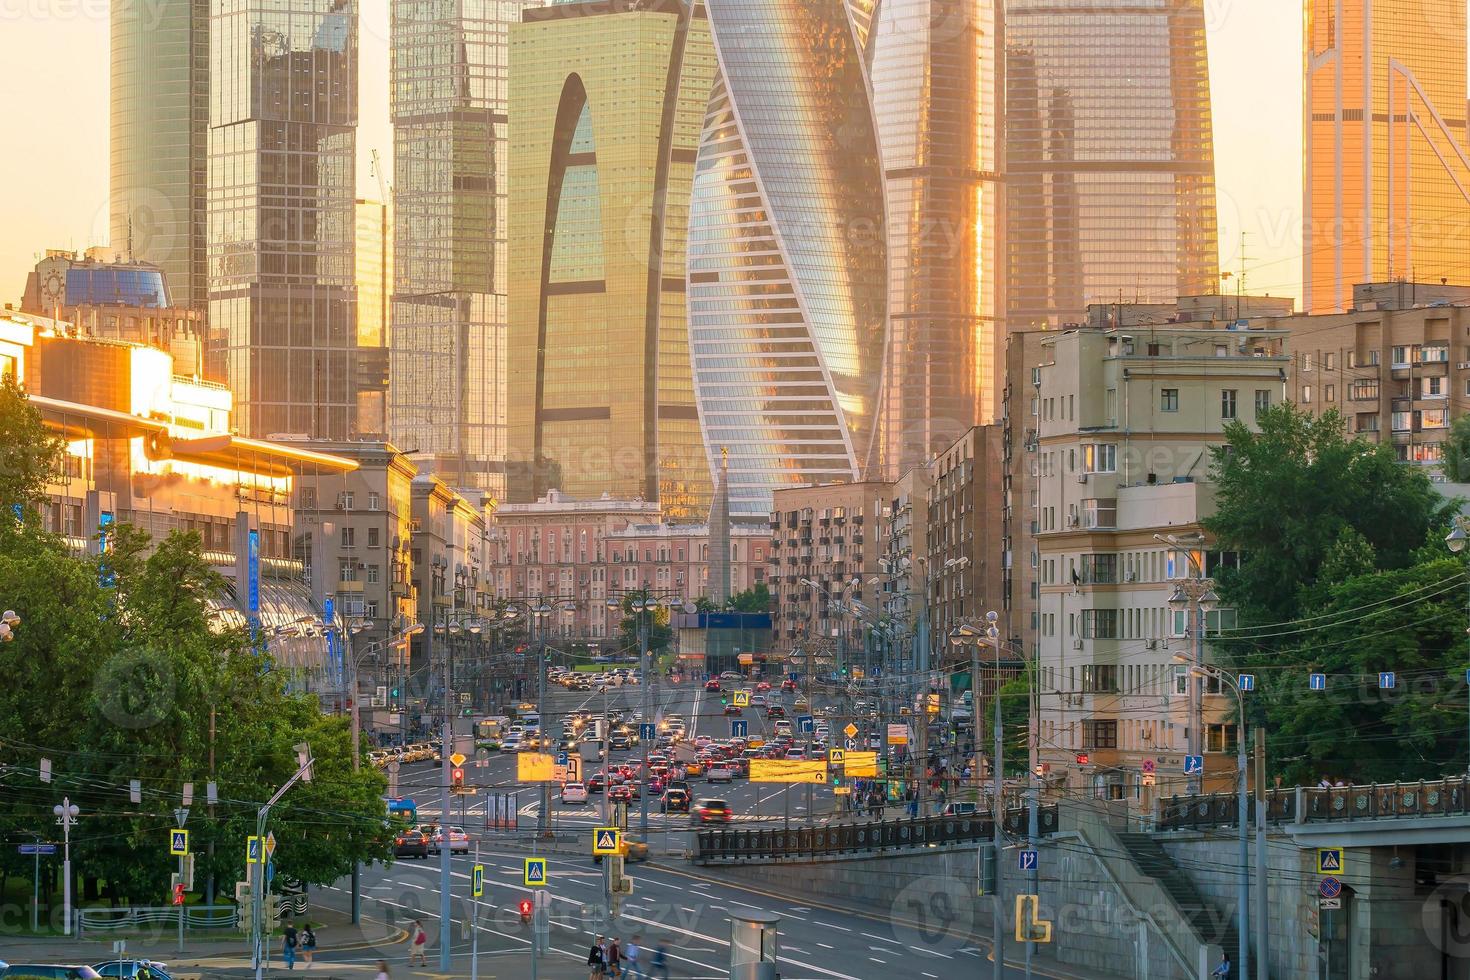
(120, 919)
(734, 844)
(1324, 804)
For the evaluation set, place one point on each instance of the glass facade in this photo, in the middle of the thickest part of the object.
(934, 95)
(1110, 170)
(447, 395)
(1387, 189)
(282, 294)
(158, 139)
(788, 249)
(98, 285)
(606, 100)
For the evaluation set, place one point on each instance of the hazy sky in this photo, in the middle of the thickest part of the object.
(53, 119)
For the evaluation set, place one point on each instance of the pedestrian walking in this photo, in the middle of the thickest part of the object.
(418, 940)
(1223, 970)
(634, 955)
(615, 958)
(288, 946)
(661, 960)
(382, 971)
(308, 944)
(596, 961)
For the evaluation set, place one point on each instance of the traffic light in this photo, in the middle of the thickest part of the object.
(179, 893)
(1082, 758)
(395, 692)
(524, 907)
(724, 699)
(456, 779)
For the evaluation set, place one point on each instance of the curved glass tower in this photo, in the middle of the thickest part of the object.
(1110, 168)
(787, 260)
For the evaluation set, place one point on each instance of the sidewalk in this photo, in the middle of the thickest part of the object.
(208, 953)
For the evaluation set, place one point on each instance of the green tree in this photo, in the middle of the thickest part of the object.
(660, 628)
(1286, 494)
(31, 453)
(756, 599)
(1455, 454)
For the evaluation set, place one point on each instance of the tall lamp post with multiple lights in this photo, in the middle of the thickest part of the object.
(1197, 595)
(974, 637)
(1456, 540)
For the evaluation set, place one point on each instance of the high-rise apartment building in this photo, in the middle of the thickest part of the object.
(935, 96)
(159, 126)
(282, 295)
(1110, 171)
(1387, 188)
(605, 99)
(788, 268)
(448, 393)
(373, 262)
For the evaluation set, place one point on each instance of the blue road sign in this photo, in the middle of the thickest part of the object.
(1386, 680)
(1194, 765)
(1247, 682)
(1028, 861)
(647, 732)
(1317, 682)
(738, 727)
(805, 724)
(561, 758)
(535, 871)
(851, 743)
(1330, 887)
(34, 849)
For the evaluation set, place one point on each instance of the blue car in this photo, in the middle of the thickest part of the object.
(133, 970)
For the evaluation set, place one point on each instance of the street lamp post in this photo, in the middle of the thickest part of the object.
(1242, 910)
(66, 815)
(1456, 540)
(1197, 595)
(971, 636)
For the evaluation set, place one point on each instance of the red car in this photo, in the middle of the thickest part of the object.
(775, 711)
(763, 687)
(788, 685)
(624, 793)
(713, 811)
(712, 685)
(733, 709)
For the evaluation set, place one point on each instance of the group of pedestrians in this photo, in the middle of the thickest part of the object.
(295, 941)
(608, 958)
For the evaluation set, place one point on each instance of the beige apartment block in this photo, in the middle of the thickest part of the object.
(1125, 419)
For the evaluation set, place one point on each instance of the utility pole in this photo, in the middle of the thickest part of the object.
(644, 662)
(998, 808)
(66, 815)
(258, 882)
(1263, 912)
(446, 749)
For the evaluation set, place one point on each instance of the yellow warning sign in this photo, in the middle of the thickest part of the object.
(787, 771)
(606, 840)
(535, 767)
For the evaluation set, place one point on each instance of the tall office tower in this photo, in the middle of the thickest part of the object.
(282, 129)
(605, 102)
(1387, 190)
(1110, 167)
(159, 140)
(788, 249)
(447, 394)
(935, 100)
(374, 274)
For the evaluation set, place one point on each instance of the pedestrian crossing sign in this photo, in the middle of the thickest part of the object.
(1329, 860)
(836, 757)
(178, 843)
(477, 882)
(742, 699)
(606, 841)
(254, 853)
(535, 871)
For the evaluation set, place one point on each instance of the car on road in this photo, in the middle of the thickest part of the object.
(596, 783)
(459, 841)
(720, 774)
(763, 687)
(775, 711)
(134, 969)
(783, 727)
(411, 843)
(788, 685)
(49, 971)
(674, 800)
(733, 709)
(574, 793)
(960, 809)
(731, 675)
(625, 793)
(713, 811)
(619, 742)
(633, 850)
(712, 685)
(693, 768)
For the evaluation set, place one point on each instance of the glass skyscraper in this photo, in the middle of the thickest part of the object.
(606, 99)
(1110, 171)
(282, 296)
(1387, 191)
(788, 245)
(447, 395)
(935, 100)
(158, 139)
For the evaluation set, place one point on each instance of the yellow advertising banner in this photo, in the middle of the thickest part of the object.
(788, 771)
(861, 764)
(535, 767)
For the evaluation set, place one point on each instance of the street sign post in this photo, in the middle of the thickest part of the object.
(606, 841)
(36, 850)
(536, 872)
(253, 852)
(1330, 887)
(477, 881)
(647, 732)
(805, 724)
(1194, 765)
(1028, 861)
(739, 727)
(1317, 682)
(178, 842)
(270, 846)
(1329, 860)
(851, 730)
(742, 699)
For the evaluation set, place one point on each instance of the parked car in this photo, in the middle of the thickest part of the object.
(574, 793)
(134, 969)
(411, 843)
(721, 774)
(49, 971)
(713, 811)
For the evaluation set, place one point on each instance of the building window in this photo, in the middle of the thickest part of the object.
(1329, 362)
(1329, 393)
(373, 501)
(372, 575)
(1100, 733)
(374, 539)
(1169, 400)
(1363, 391)
(308, 494)
(1306, 361)
(349, 537)
(347, 569)
(1432, 387)
(1100, 624)
(1099, 678)
(1102, 458)
(344, 500)
(1434, 354)
(1227, 403)
(1306, 394)
(1263, 400)
(1099, 570)
(1220, 738)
